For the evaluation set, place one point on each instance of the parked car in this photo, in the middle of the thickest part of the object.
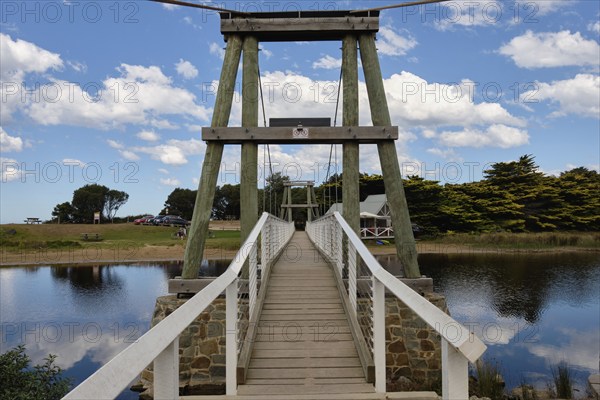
(158, 220)
(174, 221)
(143, 220)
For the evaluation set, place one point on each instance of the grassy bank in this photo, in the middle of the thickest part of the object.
(524, 241)
(62, 244)
(53, 236)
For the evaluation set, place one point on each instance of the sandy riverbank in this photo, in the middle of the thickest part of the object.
(91, 256)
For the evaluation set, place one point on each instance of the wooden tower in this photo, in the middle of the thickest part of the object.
(287, 206)
(243, 32)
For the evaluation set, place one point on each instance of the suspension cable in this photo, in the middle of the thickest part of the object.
(337, 107)
(264, 114)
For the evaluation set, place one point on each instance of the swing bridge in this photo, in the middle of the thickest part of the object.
(305, 310)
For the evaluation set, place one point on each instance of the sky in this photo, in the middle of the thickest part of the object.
(116, 93)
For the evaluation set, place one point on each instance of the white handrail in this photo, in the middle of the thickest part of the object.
(161, 341)
(458, 344)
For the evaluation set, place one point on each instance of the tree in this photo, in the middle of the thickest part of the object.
(537, 194)
(113, 200)
(181, 202)
(87, 200)
(227, 202)
(580, 190)
(63, 212)
(424, 198)
(21, 382)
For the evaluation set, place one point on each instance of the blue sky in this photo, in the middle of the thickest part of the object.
(115, 93)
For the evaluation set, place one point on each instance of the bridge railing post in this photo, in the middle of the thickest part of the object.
(379, 334)
(166, 372)
(352, 267)
(455, 373)
(231, 348)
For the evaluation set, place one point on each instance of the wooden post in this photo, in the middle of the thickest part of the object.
(350, 187)
(289, 209)
(212, 161)
(309, 210)
(249, 176)
(394, 189)
(283, 202)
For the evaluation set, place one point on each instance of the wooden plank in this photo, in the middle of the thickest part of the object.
(328, 353)
(304, 334)
(198, 233)
(316, 135)
(304, 345)
(301, 373)
(304, 311)
(380, 114)
(305, 389)
(249, 170)
(304, 363)
(316, 396)
(300, 381)
(299, 29)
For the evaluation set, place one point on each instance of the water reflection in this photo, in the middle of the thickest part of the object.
(517, 285)
(532, 310)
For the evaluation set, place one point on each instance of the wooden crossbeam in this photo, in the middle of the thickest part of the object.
(292, 135)
(298, 28)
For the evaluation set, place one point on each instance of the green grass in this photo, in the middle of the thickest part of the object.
(527, 241)
(563, 380)
(488, 374)
(20, 237)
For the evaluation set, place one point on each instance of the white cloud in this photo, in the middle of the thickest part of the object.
(9, 144)
(10, 169)
(446, 154)
(391, 43)
(579, 95)
(140, 95)
(129, 155)
(148, 136)
(173, 152)
(126, 154)
(217, 50)
(551, 49)
(544, 7)
(268, 53)
(19, 57)
(74, 162)
(327, 62)
(469, 14)
(414, 102)
(577, 348)
(186, 69)
(594, 27)
(170, 181)
(163, 171)
(114, 144)
(170, 7)
(494, 136)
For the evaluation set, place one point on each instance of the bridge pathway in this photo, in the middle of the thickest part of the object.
(304, 345)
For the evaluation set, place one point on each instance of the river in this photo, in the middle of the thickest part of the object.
(532, 310)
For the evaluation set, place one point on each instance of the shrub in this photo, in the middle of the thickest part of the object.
(21, 382)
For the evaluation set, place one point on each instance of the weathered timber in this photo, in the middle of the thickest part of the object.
(290, 135)
(405, 241)
(350, 189)
(249, 170)
(212, 160)
(300, 26)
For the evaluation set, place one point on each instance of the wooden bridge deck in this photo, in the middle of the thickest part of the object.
(304, 345)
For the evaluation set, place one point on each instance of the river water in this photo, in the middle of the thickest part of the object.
(532, 310)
